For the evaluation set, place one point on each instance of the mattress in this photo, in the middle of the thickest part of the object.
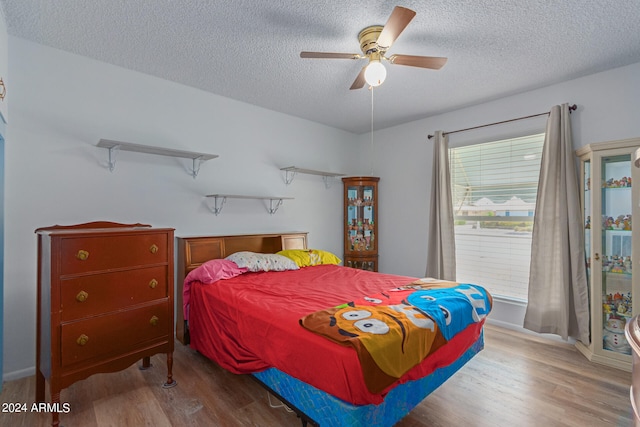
(251, 324)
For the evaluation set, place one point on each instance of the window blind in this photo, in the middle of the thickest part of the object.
(494, 187)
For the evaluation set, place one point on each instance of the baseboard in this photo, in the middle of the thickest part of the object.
(16, 375)
(505, 325)
(517, 328)
(509, 314)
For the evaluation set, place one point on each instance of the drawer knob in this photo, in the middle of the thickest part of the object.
(82, 255)
(153, 249)
(82, 339)
(154, 320)
(153, 283)
(82, 296)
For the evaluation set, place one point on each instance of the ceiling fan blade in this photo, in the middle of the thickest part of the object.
(330, 55)
(397, 22)
(359, 82)
(433, 62)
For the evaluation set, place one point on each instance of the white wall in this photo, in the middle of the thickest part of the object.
(63, 104)
(608, 109)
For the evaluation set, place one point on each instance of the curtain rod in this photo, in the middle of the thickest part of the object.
(571, 108)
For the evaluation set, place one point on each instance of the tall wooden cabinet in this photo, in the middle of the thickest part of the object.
(105, 300)
(361, 222)
(610, 188)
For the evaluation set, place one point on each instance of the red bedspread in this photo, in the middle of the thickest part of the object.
(251, 322)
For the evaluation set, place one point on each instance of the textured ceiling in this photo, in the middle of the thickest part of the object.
(249, 50)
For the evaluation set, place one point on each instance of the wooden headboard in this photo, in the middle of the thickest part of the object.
(195, 251)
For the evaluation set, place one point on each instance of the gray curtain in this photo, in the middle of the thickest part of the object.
(558, 295)
(441, 260)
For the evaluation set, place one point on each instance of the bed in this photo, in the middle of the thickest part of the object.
(273, 325)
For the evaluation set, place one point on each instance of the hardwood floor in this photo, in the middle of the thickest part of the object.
(517, 380)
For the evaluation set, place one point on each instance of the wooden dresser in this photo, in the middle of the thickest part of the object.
(105, 300)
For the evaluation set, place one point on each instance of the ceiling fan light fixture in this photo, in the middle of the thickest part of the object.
(375, 73)
(375, 41)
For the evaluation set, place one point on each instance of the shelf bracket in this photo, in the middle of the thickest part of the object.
(274, 204)
(217, 208)
(289, 175)
(328, 181)
(197, 162)
(113, 154)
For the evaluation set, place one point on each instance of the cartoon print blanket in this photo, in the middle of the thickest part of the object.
(395, 330)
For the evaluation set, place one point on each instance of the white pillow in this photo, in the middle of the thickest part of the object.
(262, 262)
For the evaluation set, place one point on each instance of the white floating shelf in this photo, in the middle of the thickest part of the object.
(220, 199)
(115, 146)
(291, 171)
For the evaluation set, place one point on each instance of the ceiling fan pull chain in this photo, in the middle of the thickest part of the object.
(372, 154)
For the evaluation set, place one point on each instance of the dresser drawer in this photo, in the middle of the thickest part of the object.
(116, 333)
(96, 294)
(85, 254)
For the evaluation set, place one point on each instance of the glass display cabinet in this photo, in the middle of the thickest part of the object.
(610, 188)
(361, 222)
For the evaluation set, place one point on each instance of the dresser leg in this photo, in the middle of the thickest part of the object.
(40, 383)
(170, 381)
(55, 402)
(146, 363)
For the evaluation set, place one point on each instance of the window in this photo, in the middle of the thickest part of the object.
(494, 187)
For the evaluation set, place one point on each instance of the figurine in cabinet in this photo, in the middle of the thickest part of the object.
(617, 265)
(613, 336)
(607, 309)
(607, 223)
(623, 310)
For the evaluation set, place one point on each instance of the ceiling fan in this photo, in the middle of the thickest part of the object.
(375, 40)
